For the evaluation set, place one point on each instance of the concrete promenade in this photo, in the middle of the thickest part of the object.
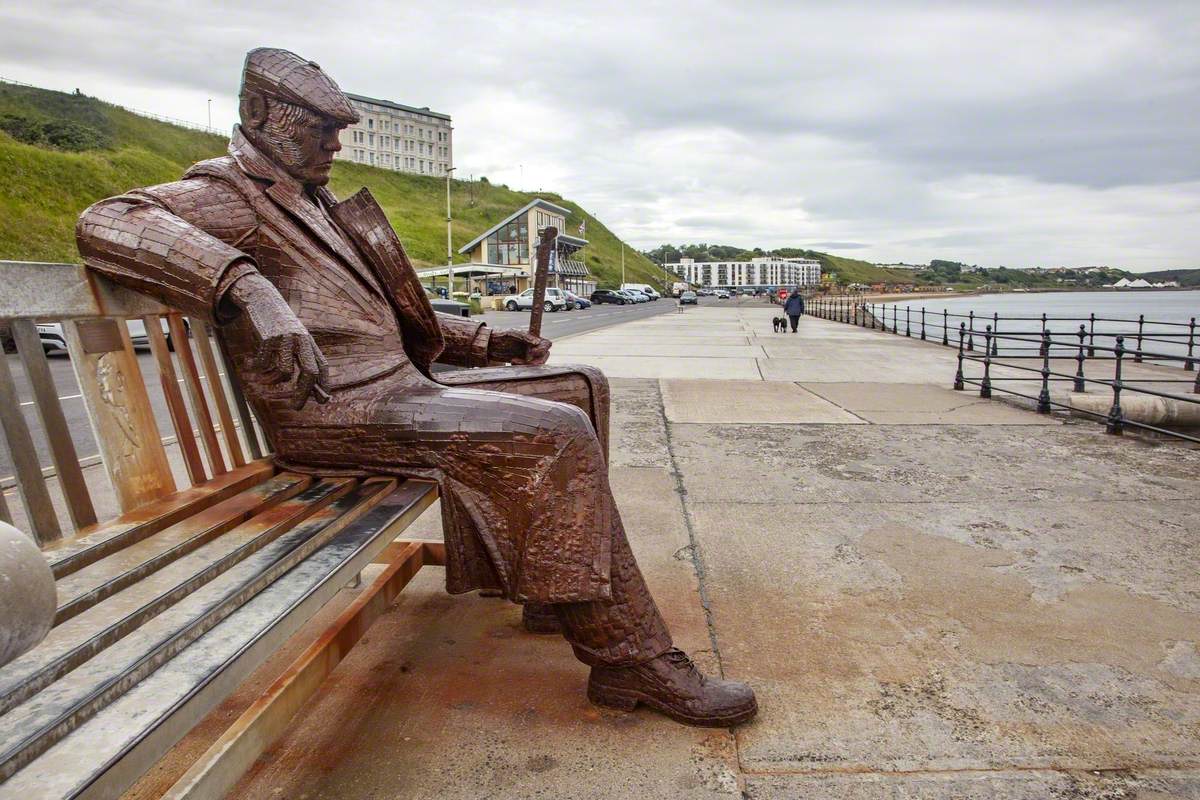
(935, 596)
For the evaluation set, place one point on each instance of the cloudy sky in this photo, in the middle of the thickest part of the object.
(992, 133)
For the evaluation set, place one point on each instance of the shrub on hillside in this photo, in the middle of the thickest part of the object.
(59, 134)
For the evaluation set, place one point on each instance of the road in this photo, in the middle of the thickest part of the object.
(559, 324)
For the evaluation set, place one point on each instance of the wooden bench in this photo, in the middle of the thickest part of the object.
(164, 610)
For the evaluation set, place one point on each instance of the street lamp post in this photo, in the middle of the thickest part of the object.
(449, 246)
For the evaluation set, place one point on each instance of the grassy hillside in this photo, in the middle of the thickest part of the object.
(1186, 277)
(61, 152)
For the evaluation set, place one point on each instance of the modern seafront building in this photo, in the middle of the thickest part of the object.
(395, 136)
(766, 272)
(502, 257)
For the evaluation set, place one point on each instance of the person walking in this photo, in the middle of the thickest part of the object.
(794, 307)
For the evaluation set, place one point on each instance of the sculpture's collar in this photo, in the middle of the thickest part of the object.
(257, 165)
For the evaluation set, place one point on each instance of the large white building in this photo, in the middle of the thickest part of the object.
(395, 136)
(758, 273)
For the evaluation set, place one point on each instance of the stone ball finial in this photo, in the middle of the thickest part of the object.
(27, 596)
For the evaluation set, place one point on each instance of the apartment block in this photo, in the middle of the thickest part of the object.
(395, 136)
(767, 272)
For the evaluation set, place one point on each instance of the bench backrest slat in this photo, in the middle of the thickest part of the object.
(114, 394)
(30, 483)
(92, 312)
(195, 392)
(174, 399)
(200, 335)
(54, 424)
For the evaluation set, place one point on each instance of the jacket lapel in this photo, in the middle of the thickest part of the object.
(364, 222)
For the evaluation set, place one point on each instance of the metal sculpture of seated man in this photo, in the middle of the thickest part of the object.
(332, 336)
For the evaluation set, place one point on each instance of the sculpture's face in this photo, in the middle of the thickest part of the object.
(301, 141)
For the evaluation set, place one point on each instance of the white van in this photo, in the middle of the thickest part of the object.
(644, 288)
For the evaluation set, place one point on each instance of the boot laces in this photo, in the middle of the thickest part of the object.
(680, 659)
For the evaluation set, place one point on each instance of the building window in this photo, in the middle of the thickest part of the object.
(370, 124)
(372, 159)
(510, 244)
(371, 139)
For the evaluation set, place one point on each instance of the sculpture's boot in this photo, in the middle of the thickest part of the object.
(539, 618)
(672, 684)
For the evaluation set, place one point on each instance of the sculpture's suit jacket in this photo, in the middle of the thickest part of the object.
(343, 271)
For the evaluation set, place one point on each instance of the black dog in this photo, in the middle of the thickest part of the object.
(780, 324)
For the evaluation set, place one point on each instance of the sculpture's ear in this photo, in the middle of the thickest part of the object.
(252, 108)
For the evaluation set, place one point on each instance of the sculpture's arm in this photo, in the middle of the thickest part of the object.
(467, 341)
(137, 241)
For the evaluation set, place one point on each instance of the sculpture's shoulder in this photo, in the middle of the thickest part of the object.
(211, 195)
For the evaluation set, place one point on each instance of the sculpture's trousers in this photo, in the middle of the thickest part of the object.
(527, 507)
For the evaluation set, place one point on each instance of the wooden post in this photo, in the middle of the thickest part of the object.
(540, 276)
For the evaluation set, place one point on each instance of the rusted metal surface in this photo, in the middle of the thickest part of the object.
(175, 406)
(31, 485)
(83, 589)
(217, 391)
(216, 772)
(71, 645)
(122, 419)
(113, 748)
(541, 274)
(30, 729)
(99, 541)
(54, 424)
(191, 380)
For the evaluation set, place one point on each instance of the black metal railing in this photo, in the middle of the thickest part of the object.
(1013, 349)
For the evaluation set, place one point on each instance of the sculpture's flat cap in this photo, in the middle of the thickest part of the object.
(283, 75)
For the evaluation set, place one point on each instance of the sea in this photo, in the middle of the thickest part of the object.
(1170, 315)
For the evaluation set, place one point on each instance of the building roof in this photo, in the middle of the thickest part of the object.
(535, 203)
(398, 106)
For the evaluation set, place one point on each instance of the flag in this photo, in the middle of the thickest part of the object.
(583, 227)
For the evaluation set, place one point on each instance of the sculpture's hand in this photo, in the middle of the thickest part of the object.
(286, 348)
(518, 347)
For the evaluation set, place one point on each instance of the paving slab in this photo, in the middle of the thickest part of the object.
(905, 463)
(725, 402)
(658, 367)
(878, 644)
(923, 404)
(981, 785)
(637, 429)
(623, 348)
(448, 697)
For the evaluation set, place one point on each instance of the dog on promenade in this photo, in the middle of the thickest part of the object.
(780, 324)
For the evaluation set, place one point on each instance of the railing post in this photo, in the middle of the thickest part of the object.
(922, 323)
(908, 321)
(1080, 384)
(1190, 364)
(958, 376)
(971, 331)
(1044, 345)
(985, 386)
(1092, 336)
(996, 331)
(945, 328)
(1043, 405)
(1137, 356)
(1116, 424)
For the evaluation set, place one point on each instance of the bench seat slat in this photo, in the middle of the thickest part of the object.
(102, 540)
(86, 588)
(112, 749)
(72, 643)
(57, 710)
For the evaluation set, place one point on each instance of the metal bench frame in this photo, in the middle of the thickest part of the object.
(290, 543)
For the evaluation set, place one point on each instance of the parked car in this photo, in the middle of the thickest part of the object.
(609, 296)
(722, 294)
(644, 288)
(54, 340)
(555, 300)
(635, 297)
(579, 302)
(446, 306)
(688, 298)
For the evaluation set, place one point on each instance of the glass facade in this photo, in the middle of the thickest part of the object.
(510, 244)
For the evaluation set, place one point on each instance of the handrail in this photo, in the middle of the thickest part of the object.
(1008, 348)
